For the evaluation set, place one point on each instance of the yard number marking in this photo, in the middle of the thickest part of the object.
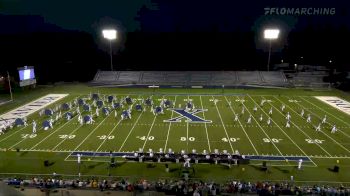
(272, 140)
(103, 137)
(314, 141)
(232, 139)
(26, 136)
(66, 136)
(144, 137)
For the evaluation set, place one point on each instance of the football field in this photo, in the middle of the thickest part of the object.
(216, 129)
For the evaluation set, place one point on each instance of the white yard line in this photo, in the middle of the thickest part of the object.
(22, 140)
(279, 151)
(12, 134)
(281, 128)
(239, 121)
(330, 115)
(297, 125)
(187, 136)
(66, 138)
(108, 135)
(223, 125)
(91, 132)
(59, 128)
(167, 137)
(132, 128)
(205, 125)
(150, 129)
(343, 147)
(23, 128)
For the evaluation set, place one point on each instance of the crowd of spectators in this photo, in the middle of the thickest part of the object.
(183, 187)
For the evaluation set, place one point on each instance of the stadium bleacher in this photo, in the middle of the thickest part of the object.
(191, 78)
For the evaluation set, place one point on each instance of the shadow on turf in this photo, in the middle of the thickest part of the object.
(23, 153)
(286, 171)
(260, 168)
(94, 165)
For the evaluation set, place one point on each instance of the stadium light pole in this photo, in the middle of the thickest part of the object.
(8, 79)
(270, 34)
(110, 34)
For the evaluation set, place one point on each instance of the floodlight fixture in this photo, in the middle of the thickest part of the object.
(110, 34)
(270, 34)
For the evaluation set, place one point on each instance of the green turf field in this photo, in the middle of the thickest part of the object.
(147, 131)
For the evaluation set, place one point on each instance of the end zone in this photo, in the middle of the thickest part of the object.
(30, 108)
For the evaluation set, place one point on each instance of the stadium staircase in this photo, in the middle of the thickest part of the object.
(200, 79)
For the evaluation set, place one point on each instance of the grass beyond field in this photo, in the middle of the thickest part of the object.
(147, 131)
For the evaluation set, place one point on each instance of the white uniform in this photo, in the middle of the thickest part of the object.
(242, 111)
(302, 113)
(283, 107)
(50, 123)
(115, 113)
(324, 119)
(288, 116)
(34, 127)
(300, 163)
(270, 111)
(97, 112)
(287, 124)
(249, 119)
(255, 108)
(269, 121)
(334, 129)
(236, 117)
(308, 120)
(318, 128)
(261, 118)
(262, 102)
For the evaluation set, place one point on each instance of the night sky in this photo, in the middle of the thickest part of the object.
(167, 35)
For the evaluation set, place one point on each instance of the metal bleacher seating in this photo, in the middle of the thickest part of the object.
(249, 77)
(190, 78)
(272, 77)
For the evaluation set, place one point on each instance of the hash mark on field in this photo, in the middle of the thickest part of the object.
(222, 122)
(256, 151)
(273, 143)
(66, 138)
(205, 124)
(108, 135)
(327, 134)
(132, 128)
(295, 125)
(167, 137)
(330, 114)
(150, 129)
(92, 132)
(59, 128)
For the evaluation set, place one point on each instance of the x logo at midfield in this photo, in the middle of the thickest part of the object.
(189, 115)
